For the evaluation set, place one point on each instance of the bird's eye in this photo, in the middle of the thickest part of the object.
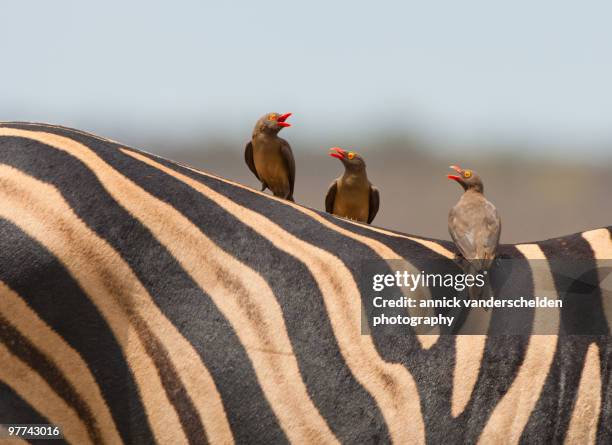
(351, 155)
(272, 116)
(467, 174)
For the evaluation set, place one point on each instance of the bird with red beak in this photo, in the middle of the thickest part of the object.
(269, 156)
(352, 195)
(473, 224)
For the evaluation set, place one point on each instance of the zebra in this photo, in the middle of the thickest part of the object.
(144, 301)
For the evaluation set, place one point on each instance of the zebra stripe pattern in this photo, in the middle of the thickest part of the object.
(142, 301)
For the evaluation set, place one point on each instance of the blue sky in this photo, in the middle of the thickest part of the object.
(533, 72)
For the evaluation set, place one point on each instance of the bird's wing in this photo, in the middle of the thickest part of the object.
(290, 162)
(374, 203)
(492, 232)
(248, 158)
(462, 234)
(330, 197)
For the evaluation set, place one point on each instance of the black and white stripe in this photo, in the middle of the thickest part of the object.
(143, 301)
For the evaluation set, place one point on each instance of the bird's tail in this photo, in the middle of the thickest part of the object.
(478, 267)
(483, 292)
(482, 267)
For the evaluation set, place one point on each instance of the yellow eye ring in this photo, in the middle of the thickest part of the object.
(272, 116)
(351, 155)
(467, 174)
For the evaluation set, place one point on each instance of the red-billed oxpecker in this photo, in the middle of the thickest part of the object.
(351, 195)
(474, 225)
(270, 158)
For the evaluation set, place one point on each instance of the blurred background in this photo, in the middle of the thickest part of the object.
(518, 91)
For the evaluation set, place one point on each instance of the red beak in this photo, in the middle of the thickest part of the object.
(282, 118)
(458, 170)
(339, 153)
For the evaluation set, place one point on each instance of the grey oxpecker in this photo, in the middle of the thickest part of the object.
(474, 226)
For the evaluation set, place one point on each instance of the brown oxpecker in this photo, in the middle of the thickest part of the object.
(269, 157)
(352, 195)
